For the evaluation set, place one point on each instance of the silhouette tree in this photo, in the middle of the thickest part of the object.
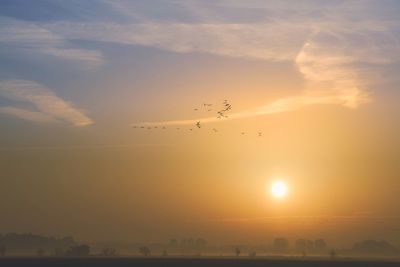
(58, 252)
(300, 244)
(370, 247)
(145, 251)
(237, 252)
(108, 252)
(3, 250)
(40, 252)
(310, 245)
(281, 244)
(320, 244)
(201, 243)
(332, 254)
(78, 251)
(252, 254)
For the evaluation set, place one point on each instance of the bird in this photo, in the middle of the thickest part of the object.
(259, 133)
(134, 126)
(198, 125)
(155, 127)
(142, 127)
(164, 127)
(178, 128)
(242, 133)
(196, 109)
(215, 130)
(190, 129)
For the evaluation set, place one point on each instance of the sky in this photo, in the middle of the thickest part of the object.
(318, 79)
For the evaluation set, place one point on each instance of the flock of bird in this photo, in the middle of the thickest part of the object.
(221, 114)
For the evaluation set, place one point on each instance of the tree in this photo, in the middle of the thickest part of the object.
(58, 252)
(252, 254)
(78, 251)
(145, 251)
(332, 254)
(320, 244)
(300, 245)
(281, 244)
(310, 245)
(375, 247)
(108, 252)
(201, 243)
(40, 252)
(237, 252)
(3, 250)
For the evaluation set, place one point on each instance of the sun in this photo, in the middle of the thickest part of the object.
(279, 189)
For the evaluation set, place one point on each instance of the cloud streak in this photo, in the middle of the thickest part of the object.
(331, 56)
(18, 34)
(49, 107)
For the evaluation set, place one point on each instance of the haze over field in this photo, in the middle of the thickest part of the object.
(100, 100)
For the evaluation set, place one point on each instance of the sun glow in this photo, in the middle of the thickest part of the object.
(279, 189)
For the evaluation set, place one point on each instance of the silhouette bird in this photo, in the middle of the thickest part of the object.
(242, 133)
(178, 128)
(259, 133)
(196, 109)
(215, 130)
(190, 129)
(155, 127)
(198, 125)
(164, 127)
(142, 127)
(134, 126)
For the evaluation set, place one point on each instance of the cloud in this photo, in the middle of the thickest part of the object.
(271, 41)
(18, 34)
(334, 58)
(333, 46)
(27, 114)
(49, 107)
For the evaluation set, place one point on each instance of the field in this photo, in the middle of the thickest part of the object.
(185, 262)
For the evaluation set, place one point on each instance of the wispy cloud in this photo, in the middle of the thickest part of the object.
(27, 114)
(49, 107)
(270, 41)
(18, 34)
(331, 56)
(331, 45)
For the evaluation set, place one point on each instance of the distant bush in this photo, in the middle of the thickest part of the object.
(374, 247)
(30, 242)
(78, 251)
(3, 250)
(108, 252)
(145, 251)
